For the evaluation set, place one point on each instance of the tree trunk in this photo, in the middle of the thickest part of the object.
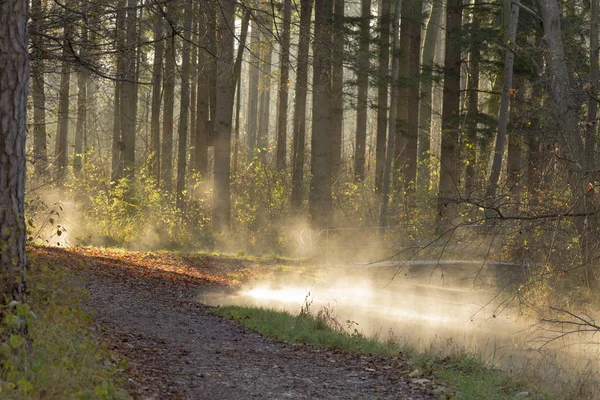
(129, 91)
(62, 129)
(362, 78)
(237, 74)
(337, 86)
(264, 107)
(472, 118)
(184, 109)
(385, 189)
(431, 38)
(299, 135)
(515, 141)
(40, 154)
(166, 160)
(81, 124)
(511, 29)
(157, 66)
(14, 81)
(117, 143)
(412, 131)
(449, 184)
(252, 116)
(400, 155)
(194, 85)
(224, 112)
(382, 91)
(203, 126)
(319, 202)
(282, 109)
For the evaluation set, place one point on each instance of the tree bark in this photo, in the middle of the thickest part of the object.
(223, 117)
(362, 78)
(385, 189)
(511, 29)
(282, 109)
(14, 81)
(129, 98)
(62, 128)
(157, 66)
(382, 91)
(264, 107)
(184, 109)
(81, 124)
(337, 86)
(203, 126)
(400, 149)
(319, 201)
(166, 156)
(38, 95)
(449, 184)
(432, 35)
(117, 144)
(472, 118)
(252, 116)
(412, 131)
(299, 135)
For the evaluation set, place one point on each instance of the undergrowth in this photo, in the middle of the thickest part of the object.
(463, 372)
(65, 361)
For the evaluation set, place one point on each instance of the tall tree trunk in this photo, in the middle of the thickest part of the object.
(224, 112)
(81, 124)
(62, 129)
(264, 107)
(449, 186)
(252, 116)
(362, 77)
(14, 75)
(129, 91)
(382, 91)
(157, 66)
(298, 145)
(337, 86)
(117, 144)
(237, 75)
(515, 138)
(400, 149)
(512, 15)
(432, 35)
(166, 156)
(203, 126)
(385, 189)
(38, 95)
(591, 203)
(473, 102)
(184, 109)
(412, 131)
(282, 109)
(194, 85)
(319, 201)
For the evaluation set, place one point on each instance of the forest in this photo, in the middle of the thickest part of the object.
(451, 142)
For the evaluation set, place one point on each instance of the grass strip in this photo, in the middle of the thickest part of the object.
(462, 372)
(66, 361)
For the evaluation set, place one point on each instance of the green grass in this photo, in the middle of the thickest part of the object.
(66, 361)
(460, 371)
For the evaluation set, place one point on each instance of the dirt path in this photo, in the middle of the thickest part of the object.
(177, 348)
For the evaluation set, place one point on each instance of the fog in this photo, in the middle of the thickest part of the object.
(434, 308)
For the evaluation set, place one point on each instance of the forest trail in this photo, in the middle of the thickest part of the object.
(178, 348)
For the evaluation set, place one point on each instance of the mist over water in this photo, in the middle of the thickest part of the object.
(434, 308)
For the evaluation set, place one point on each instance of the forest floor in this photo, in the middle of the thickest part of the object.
(145, 308)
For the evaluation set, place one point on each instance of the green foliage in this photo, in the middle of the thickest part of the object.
(65, 360)
(132, 213)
